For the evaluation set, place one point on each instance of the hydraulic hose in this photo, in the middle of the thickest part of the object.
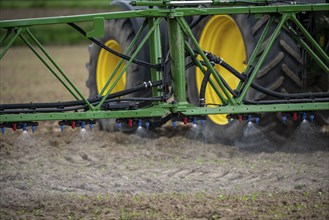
(197, 21)
(205, 80)
(75, 108)
(125, 57)
(270, 92)
(61, 105)
(227, 85)
(243, 78)
(220, 77)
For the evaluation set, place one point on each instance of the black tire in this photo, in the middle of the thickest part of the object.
(122, 32)
(280, 72)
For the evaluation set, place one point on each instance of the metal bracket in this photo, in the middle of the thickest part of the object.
(98, 30)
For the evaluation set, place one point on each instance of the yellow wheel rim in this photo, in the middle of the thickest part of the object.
(221, 36)
(105, 66)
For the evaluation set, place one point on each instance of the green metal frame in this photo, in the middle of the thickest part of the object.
(178, 29)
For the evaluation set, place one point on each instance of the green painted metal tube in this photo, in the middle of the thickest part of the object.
(133, 56)
(253, 9)
(161, 110)
(271, 41)
(257, 48)
(313, 42)
(68, 19)
(199, 65)
(155, 55)
(11, 41)
(310, 38)
(149, 112)
(245, 109)
(48, 66)
(128, 51)
(262, 3)
(317, 59)
(189, 33)
(59, 70)
(177, 53)
(4, 38)
(239, 10)
(164, 13)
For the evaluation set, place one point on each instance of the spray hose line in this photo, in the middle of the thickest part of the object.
(125, 57)
(298, 97)
(80, 104)
(202, 101)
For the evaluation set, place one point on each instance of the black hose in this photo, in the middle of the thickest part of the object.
(257, 87)
(61, 105)
(243, 78)
(270, 92)
(75, 108)
(125, 57)
(203, 88)
(220, 77)
(189, 65)
(226, 85)
(136, 99)
(44, 110)
(197, 21)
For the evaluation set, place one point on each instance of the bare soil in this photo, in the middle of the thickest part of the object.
(163, 174)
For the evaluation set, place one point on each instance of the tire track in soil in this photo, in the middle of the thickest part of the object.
(101, 164)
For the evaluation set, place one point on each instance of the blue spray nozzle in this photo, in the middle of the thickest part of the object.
(312, 117)
(119, 125)
(249, 118)
(139, 123)
(147, 124)
(284, 119)
(83, 124)
(34, 128)
(194, 121)
(24, 127)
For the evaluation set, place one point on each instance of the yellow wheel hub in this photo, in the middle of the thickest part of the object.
(221, 36)
(105, 66)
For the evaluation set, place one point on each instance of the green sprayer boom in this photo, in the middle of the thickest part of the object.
(168, 99)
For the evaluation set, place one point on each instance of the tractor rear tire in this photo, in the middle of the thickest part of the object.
(118, 35)
(280, 72)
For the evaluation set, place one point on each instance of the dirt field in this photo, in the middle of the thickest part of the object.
(162, 175)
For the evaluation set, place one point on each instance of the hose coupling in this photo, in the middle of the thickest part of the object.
(202, 102)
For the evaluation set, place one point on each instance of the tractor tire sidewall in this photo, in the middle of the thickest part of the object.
(274, 78)
(122, 32)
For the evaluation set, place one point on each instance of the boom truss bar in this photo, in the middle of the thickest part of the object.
(178, 29)
(163, 109)
(163, 12)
